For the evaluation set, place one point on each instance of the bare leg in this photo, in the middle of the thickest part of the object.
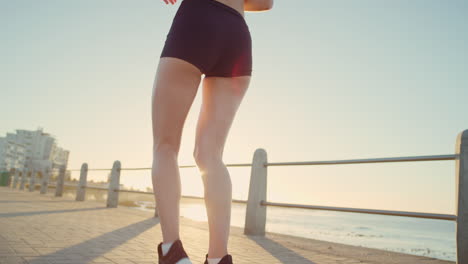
(175, 87)
(221, 99)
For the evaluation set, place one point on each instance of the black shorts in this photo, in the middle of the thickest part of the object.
(212, 36)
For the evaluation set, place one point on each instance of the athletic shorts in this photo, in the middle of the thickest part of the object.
(212, 36)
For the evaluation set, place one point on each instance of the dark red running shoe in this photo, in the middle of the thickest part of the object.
(227, 259)
(175, 253)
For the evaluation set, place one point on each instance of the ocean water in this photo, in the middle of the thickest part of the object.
(417, 236)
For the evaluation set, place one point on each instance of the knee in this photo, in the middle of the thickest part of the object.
(206, 157)
(165, 148)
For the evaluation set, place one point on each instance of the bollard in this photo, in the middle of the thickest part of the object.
(45, 180)
(32, 180)
(23, 178)
(60, 181)
(461, 175)
(114, 182)
(15, 179)
(9, 181)
(255, 217)
(81, 188)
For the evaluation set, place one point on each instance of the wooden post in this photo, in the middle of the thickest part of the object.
(255, 217)
(15, 179)
(60, 181)
(81, 189)
(114, 183)
(23, 178)
(45, 180)
(32, 180)
(461, 174)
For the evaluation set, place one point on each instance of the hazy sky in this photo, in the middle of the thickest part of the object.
(331, 80)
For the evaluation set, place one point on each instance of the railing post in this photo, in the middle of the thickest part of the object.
(45, 180)
(32, 180)
(23, 178)
(15, 179)
(255, 217)
(461, 170)
(81, 188)
(60, 181)
(114, 183)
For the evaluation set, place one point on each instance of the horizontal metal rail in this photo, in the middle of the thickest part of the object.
(183, 196)
(324, 162)
(366, 211)
(195, 166)
(304, 206)
(96, 188)
(91, 169)
(182, 167)
(377, 160)
(76, 185)
(136, 191)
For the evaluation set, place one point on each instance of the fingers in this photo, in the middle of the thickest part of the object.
(171, 1)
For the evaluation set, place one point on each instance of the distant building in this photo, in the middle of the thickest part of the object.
(12, 153)
(31, 150)
(17, 151)
(3, 154)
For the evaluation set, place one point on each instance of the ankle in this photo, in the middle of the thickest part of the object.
(220, 254)
(213, 260)
(226, 259)
(172, 252)
(166, 246)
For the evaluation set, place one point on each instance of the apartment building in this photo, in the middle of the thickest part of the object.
(28, 149)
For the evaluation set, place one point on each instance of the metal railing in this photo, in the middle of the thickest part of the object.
(361, 161)
(255, 218)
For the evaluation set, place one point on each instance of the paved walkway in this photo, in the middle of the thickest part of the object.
(38, 229)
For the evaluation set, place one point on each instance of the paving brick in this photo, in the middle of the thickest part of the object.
(43, 229)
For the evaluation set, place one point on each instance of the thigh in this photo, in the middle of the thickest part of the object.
(175, 86)
(220, 101)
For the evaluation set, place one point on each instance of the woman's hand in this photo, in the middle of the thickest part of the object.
(172, 1)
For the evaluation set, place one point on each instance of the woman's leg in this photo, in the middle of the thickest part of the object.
(221, 99)
(175, 87)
